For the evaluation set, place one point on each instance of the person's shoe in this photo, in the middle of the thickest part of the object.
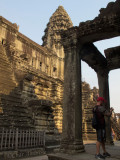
(99, 156)
(106, 154)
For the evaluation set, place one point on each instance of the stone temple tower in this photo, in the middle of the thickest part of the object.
(60, 20)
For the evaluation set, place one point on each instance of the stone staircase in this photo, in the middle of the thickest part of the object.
(7, 81)
(15, 114)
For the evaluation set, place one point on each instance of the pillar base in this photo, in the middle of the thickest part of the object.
(72, 148)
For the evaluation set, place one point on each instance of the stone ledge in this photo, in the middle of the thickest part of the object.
(63, 156)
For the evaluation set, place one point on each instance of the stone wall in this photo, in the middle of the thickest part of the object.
(27, 73)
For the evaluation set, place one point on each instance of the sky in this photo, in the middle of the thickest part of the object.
(32, 17)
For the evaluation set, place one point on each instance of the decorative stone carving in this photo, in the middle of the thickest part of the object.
(59, 21)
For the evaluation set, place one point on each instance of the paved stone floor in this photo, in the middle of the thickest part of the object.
(36, 158)
(90, 148)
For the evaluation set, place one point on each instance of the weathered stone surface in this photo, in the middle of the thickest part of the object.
(27, 74)
(113, 57)
(112, 8)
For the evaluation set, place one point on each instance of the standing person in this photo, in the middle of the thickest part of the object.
(100, 112)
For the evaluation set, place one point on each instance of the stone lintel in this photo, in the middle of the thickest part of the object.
(113, 57)
(112, 52)
(99, 29)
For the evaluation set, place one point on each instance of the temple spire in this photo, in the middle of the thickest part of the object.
(60, 20)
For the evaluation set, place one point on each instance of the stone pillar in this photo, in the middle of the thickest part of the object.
(72, 141)
(104, 92)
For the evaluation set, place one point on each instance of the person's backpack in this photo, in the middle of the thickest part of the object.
(94, 119)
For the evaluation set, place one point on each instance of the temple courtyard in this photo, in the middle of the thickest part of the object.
(89, 153)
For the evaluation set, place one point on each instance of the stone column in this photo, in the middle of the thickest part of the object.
(72, 100)
(104, 92)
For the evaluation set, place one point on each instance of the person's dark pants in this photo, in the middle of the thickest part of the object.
(101, 135)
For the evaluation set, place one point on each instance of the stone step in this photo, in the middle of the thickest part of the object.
(5, 87)
(10, 118)
(15, 95)
(14, 98)
(5, 90)
(50, 149)
(16, 113)
(6, 78)
(19, 124)
(4, 63)
(6, 72)
(28, 93)
(8, 102)
(5, 67)
(16, 109)
(7, 83)
(20, 119)
(14, 118)
(3, 56)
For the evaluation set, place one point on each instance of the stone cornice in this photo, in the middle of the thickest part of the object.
(41, 102)
(8, 24)
(106, 25)
(22, 37)
(99, 29)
